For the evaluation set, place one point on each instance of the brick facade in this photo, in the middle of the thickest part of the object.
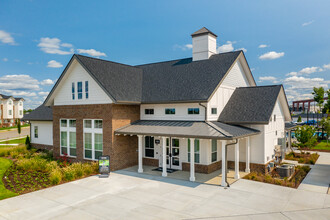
(150, 162)
(43, 146)
(121, 149)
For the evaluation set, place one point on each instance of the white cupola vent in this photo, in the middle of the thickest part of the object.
(204, 44)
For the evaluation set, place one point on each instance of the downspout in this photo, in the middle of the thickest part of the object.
(205, 107)
(224, 175)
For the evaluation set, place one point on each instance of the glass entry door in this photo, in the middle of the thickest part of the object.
(173, 153)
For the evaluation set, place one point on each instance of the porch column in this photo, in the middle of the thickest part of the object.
(164, 157)
(247, 160)
(223, 167)
(140, 170)
(237, 160)
(192, 159)
(289, 140)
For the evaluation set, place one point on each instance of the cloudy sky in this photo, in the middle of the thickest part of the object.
(285, 42)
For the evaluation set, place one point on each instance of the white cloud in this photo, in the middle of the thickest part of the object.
(267, 78)
(92, 52)
(47, 82)
(309, 70)
(6, 38)
(66, 45)
(271, 55)
(19, 82)
(5, 59)
(183, 47)
(307, 23)
(43, 93)
(53, 46)
(292, 74)
(228, 47)
(326, 66)
(54, 64)
(263, 46)
(245, 50)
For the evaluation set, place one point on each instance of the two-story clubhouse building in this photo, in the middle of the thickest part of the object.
(187, 112)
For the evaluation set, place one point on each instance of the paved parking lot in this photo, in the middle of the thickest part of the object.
(129, 195)
(13, 133)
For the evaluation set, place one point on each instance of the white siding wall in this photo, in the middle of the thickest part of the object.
(181, 112)
(235, 78)
(76, 73)
(45, 132)
(18, 108)
(6, 108)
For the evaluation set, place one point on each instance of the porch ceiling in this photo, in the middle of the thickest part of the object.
(188, 129)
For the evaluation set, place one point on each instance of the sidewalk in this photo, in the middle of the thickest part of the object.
(318, 179)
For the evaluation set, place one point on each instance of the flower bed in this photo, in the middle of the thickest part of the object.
(32, 170)
(303, 157)
(274, 178)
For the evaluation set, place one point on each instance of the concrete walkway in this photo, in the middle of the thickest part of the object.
(318, 179)
(142, 196)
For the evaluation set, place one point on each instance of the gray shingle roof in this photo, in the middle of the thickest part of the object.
(122, 82)
(250, 105)
(5, 96)
(42, 113)
(184, 80)
(202, 31)
(216, 130)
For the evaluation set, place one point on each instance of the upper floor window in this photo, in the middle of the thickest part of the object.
(214, 111)
(20, 103)
(20, 112)
(73, 91)
(9, 112)
(149, 111)
(274, 118)
(86, 89)
(193, 111)
(80, 92)
(10, 102)
(170, 111)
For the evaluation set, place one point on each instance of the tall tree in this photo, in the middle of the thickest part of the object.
(326, 108)
(19, 126)
(318, 96)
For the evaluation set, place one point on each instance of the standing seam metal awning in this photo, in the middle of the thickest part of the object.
(188, 129)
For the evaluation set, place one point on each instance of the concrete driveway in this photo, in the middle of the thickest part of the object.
(128, 195)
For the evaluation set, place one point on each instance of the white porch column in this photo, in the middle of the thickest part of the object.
(192, 159)
(237, 160)
(224, 174)
(140, 169)
(164, 157)
(247, 160)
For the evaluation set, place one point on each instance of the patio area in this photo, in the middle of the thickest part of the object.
(213, 178)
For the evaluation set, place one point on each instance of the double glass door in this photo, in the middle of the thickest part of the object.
(173, 153)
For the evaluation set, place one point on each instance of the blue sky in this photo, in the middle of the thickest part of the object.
(285, 42)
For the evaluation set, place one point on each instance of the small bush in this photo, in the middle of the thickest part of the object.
(268, 178)
(68, 173)
(301, 160)
(278, 182)
(5, 151)
(55, 176)
(78, 169)
(33, 164)
(52, 165)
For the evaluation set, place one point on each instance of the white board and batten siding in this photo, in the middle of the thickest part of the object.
(235, 78)
(45, 132)
(76, 73)
(181, 112)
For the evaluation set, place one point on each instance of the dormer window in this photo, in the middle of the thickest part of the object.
(193, 111)
(73, 91)
(80, 91)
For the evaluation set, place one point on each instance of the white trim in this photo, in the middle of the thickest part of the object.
(92, 131)
(67, 129)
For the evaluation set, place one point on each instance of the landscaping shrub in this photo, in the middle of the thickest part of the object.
(55, 176)
(52, 165)
(5, 151)
(32, 164)
(68, 173)
(78, 169)
(28, 143)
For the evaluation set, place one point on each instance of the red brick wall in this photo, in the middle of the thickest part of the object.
(122, 150)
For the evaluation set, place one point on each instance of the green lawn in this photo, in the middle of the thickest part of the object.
(322, 146)
(4, 165)
(16, 141)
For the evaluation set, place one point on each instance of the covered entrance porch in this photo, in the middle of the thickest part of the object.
(190, 149)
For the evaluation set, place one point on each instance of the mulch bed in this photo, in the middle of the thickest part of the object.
(21, 182)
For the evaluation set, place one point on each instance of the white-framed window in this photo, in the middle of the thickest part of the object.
(86, 89)
(35, 131)
(214, 111)
(149, 146)
(193, 111)
(149, 111)
(169, 111)
(10, 112)
(93, 139)
(197, 147)
(68, 137)
(214, 151)
(20, 103)
(20, 112)
(10, 102)
(73, 91)
(80, 90)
